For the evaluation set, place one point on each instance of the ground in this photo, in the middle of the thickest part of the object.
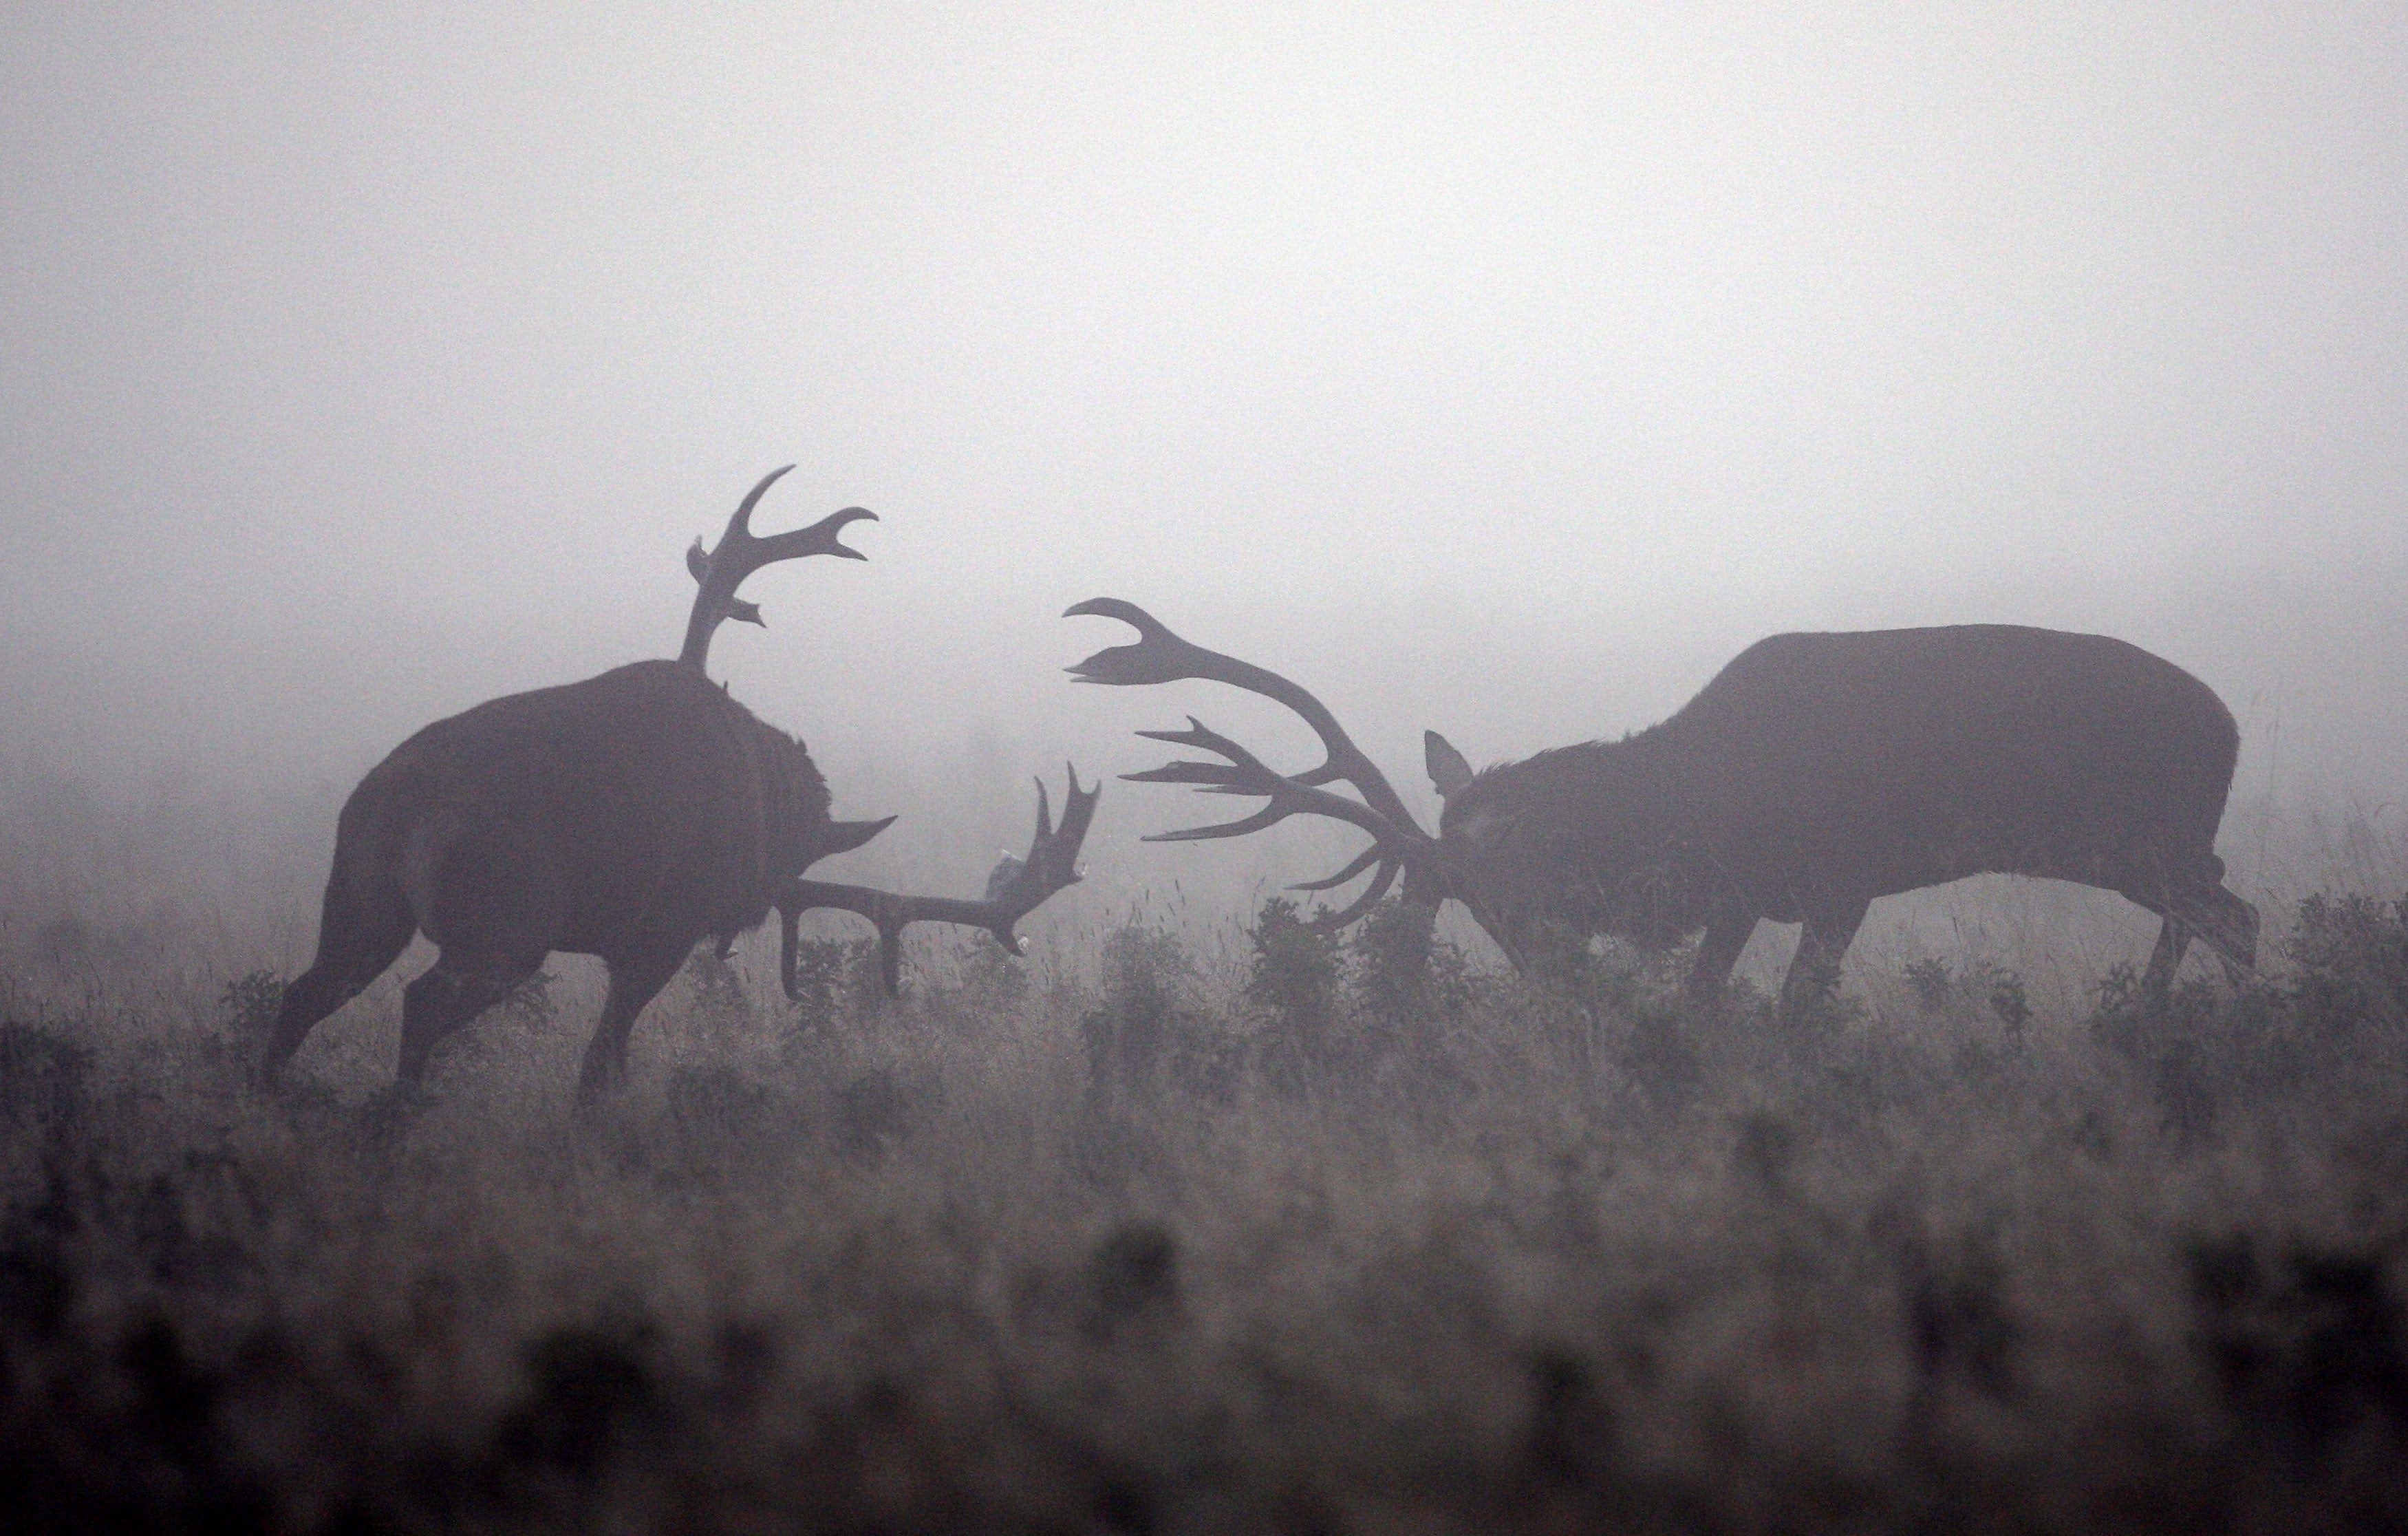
(1296, 1236)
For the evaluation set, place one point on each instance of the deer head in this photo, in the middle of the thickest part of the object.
(1500, 848)
(1431, 867)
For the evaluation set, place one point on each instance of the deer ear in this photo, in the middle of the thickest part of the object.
(1448, 771)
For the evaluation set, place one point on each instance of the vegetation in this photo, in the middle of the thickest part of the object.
(1317, 1236)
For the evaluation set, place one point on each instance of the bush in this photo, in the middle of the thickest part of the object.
(1402, 974)
(250, 1003)
(1146, 1038)
(1294, 978)
(2351, 957)
(835, 979)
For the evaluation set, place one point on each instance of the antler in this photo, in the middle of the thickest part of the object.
(1016, 888)
(1161, 657)
(1399, 843)
(740, 554)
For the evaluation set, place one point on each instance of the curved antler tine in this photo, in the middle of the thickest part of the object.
(1198, 733)
(1190, 774)
(1145, 623)
(1044, 811)
(1361, 904)
(1078, 809)
(740, 526)
(1362, 861)
(819, 539)
(835, 524)
(844, 837)
(1158, 655)
(1243, 774)
(1270, 815)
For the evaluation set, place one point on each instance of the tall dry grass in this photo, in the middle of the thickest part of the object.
(1220, 1225)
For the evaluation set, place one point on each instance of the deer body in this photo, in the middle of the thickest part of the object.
(1814, 775)
(688, 826)
(1819, 772)
(628, 816)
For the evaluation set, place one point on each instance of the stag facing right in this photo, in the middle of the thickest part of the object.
(628, 816)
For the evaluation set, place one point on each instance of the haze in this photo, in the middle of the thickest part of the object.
(1501, 370)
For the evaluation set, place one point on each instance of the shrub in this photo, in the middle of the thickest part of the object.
(2351, 954)
(717, 986)
(1400, 974)
(41, 1076)
(1145, 1038)
(250, 1003)
(833, 977)
(1931, 984)
(1295, 972)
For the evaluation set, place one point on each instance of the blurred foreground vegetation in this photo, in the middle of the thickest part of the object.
(1308, 1235)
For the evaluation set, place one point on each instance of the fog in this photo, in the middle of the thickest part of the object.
(1504, 370)
(1501, 370)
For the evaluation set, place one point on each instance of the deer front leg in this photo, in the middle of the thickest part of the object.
(1727, 935)
(1815, 973)
(2165, 957)
(635, 980)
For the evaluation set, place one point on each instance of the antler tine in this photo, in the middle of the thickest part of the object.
(1210, 778)
(740, 524)
(1361, 904)
(1361, 862)
(1161, 657)
(1052, 864)
(1248, 775)
(819, 539)
(1078, 810)
(739, 553)
(1270, 815)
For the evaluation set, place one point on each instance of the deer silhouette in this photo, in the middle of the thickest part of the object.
(1814, 775)
(628, 816)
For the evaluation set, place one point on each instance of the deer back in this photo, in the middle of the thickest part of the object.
(661, 809)
(1882, 761)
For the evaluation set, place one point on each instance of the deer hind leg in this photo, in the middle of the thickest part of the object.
(445, 997)
(485, 894)
(359, 936)
(1815, 973)
(635, 980)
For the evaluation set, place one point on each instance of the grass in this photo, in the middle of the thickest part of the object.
(1219, 1231)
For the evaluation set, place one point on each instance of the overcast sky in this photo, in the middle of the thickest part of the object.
(1498, 368)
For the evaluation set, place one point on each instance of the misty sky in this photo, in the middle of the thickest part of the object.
(1503, 370)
